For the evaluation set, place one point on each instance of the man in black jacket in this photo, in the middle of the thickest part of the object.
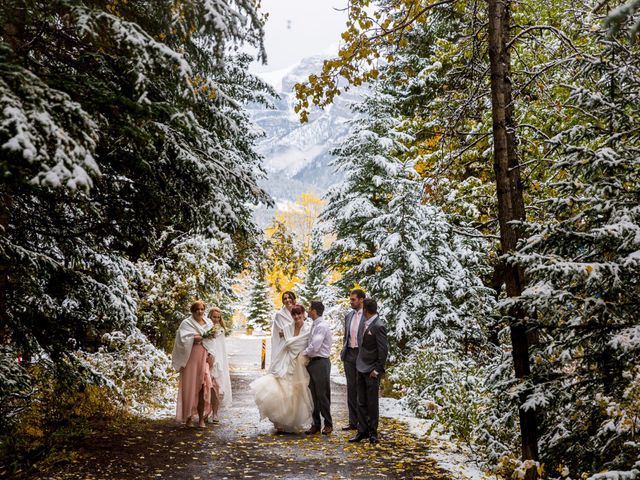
(372, 356)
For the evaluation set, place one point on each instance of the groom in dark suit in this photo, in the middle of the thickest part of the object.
(372, 356)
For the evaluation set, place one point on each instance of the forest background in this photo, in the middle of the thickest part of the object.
(489, 199)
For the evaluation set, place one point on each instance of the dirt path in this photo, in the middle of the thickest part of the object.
(242, 446)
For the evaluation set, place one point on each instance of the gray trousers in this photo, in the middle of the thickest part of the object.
(351, 373)
(320, 385)
(368, 390)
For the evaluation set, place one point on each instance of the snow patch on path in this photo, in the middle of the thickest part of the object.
(337, 377)
(450, 455)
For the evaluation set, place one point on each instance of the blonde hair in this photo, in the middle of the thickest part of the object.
(216, 309)
(197, 303)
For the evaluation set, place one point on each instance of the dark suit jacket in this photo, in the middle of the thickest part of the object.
(347, 329)
(374, 347)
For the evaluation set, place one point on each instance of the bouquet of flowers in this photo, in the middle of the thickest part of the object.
(213, 332)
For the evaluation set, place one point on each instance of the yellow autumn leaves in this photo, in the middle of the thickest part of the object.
(367, 32)
(295, 223)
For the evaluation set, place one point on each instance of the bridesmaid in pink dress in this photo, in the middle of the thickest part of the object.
(196, 386)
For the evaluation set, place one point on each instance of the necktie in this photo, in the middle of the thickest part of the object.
(353, 335)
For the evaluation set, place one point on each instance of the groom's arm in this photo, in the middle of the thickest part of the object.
(383, 348)
(343, 351)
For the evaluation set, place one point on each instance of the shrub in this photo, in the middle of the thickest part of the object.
(139, 374)
(439, 385)
(49, 407)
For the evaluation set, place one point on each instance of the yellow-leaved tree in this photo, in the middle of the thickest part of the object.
(289, 244)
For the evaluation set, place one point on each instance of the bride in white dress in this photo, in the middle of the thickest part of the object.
(283, 395)
(281, 320)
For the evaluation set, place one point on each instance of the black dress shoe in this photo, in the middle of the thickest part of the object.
(313, 430)
(358, 438)
(349, 427)
(373, 439)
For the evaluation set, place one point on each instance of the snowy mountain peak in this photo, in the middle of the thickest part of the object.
(297, 155)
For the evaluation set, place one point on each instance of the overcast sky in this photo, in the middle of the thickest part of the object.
(300, 28)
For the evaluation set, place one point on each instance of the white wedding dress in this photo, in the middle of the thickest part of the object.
(281, 321)
(283, 395)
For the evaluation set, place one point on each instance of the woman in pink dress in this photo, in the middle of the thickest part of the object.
(193, 357)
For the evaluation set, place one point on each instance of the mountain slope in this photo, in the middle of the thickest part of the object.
(297, 155)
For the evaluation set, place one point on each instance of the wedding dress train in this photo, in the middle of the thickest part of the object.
(283, 395)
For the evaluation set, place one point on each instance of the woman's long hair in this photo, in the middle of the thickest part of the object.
(216, 309)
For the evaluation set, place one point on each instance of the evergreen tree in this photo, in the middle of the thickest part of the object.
(315, 277)
(130, 120)
(362, 159)
(481, 94)
(424, 267)
(584, 270)
(124, 144)
(426, 271)
(426, 275)
(260, 307)
(193, 267)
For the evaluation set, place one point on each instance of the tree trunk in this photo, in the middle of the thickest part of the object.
(510, 204)
(496, 282)
(5, 208)
(13, 29)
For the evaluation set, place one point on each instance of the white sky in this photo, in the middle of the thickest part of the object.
(297, 29)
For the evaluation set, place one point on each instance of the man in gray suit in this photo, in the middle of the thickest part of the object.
(352, 323)
(372, 356)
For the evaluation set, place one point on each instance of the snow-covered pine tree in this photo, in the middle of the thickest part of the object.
(122, 133)
(446, 67)
(406, 254)
(315, 277)
(260, 310)
(317, 286)
(584, 271)
(362, 160)
(130, 122)
(193, 267)
(426, 271)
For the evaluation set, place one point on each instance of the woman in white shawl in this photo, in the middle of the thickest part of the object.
(192, 356)
(220, 368)
(283, 395)
(281, 321)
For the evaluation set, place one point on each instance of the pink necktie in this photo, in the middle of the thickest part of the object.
(353, 336)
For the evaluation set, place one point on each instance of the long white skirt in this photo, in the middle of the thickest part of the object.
(286, 401)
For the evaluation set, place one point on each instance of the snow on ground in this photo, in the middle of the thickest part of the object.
(244, 353)
(449, 454)
(337, 377)
(166, 411)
